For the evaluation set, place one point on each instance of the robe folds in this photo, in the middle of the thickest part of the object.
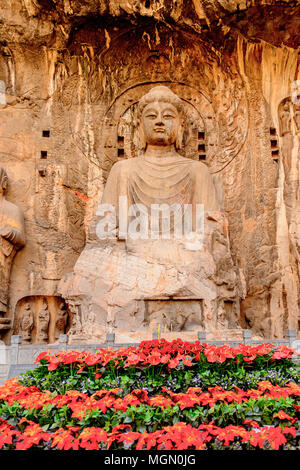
(158, 180)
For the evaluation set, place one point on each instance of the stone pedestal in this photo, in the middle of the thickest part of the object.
(135, 287)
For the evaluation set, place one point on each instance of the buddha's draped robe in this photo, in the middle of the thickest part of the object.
(152, 180)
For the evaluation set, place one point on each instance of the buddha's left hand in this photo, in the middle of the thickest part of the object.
(12, 235)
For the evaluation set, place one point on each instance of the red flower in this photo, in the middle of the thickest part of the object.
(161, 401)
(173, 363)
(249, 358)
(90, 438)
(7, 433)
(32, 435)
(290, 430)
(64, 439)
(282, 415)
(129, 437)
(187, 361)
(165, 358)
(212, 357)
(251, 423)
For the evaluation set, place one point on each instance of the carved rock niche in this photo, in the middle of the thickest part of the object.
(206, 137)
(41, 319)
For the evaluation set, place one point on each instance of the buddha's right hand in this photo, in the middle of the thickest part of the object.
(5, 231)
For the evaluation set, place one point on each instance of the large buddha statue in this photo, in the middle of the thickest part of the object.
(158, 236)
(160, 175)
(12, 238)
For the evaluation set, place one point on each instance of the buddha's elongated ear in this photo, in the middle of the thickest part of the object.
(3, 179)
(142, 144)
(179, 138)
(5, 183)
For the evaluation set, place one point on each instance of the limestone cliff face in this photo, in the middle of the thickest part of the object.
(70, 70)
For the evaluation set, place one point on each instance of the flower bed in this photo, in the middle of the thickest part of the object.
(159, 395)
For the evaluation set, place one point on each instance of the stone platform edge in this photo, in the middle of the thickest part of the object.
(19, 358)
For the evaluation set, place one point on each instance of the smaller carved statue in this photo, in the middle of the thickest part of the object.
(61, 320)
(76, 323)
(222, 320)
(285, 119)
(43, 324)
(12, 238)
(297, 116)
(26, 323)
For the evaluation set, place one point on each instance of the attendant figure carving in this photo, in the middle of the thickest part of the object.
(43, 324)
(61, 320)
(26, 323)
(285, 119)
(297, 116)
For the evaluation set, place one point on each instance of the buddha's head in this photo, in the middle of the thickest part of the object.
(160, 118)
(3, 180)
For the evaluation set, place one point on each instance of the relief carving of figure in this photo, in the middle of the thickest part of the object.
(61, 320)
(12, 238)
(26, 323)
(297, 116)
(285, 119)
(43, 324)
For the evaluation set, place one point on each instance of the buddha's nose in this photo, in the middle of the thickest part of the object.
(159, 121)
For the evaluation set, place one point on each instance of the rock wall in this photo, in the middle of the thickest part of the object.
(71, 70)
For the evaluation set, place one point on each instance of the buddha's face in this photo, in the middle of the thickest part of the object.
(161, 123)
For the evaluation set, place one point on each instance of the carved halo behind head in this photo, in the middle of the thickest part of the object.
(163, 94)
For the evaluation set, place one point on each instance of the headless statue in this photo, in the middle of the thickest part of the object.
(12, 238)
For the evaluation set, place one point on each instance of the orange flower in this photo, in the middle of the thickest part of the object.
(63, 439)
(282, 415)
(32, 435)
(159, 400)
(187, 361)
(129, 437)
(90, 438)
(249, 358)
(7, 433)
(251, 423)
(229, 433)
(290, 430)
(173, 363)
